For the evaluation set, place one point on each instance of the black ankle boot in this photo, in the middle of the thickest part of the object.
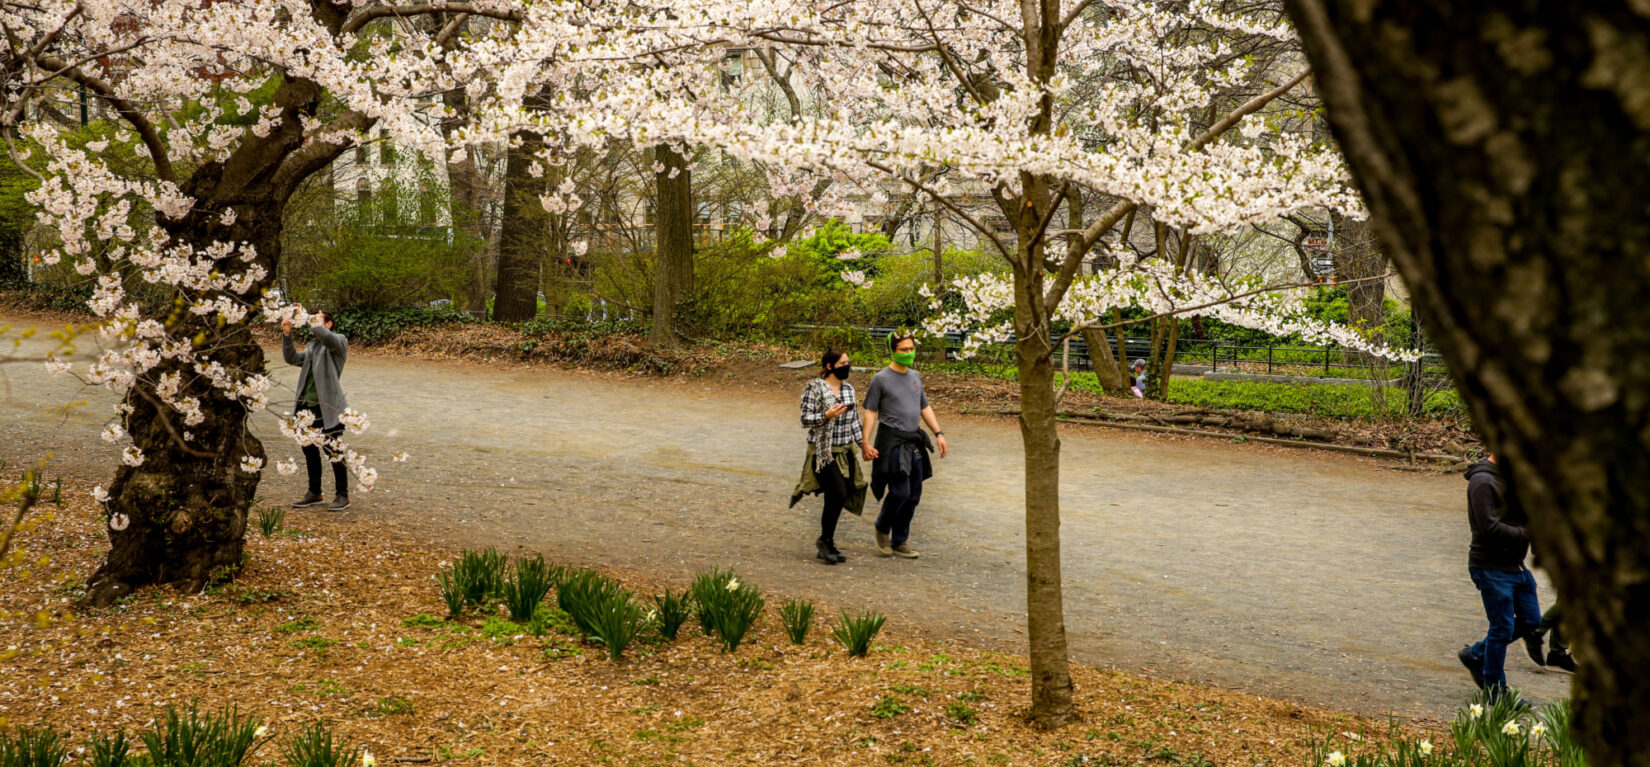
(825, 552)
(830, 548)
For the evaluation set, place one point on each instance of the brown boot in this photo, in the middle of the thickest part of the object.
(885, 543)
(905, 551)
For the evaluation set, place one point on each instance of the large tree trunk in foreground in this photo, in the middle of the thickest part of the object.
(1502, 148)
(186, 505)
(673, 252)
(522, 234)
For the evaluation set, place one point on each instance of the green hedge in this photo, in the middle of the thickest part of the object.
(1331, 400)
(1328, 400)
(375, 326)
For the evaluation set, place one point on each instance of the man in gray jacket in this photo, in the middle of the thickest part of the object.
(320, 365)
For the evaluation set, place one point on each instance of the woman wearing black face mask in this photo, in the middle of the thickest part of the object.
(834, 433)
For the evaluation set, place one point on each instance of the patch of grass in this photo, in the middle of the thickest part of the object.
(255, 596)
(320, 647)
(189, 737)
(727, 606)
(270, 520)
(525, 589)
(314, 746)
(888, 707)
(855, 632)
(602, 609)
(962, 713)
(502, 631)
(33, 747)
(911, 689)
(298, 625)
(797, 615)
(427, 621)
(393, 705)
(547, 620)
(972, 696)
(685, 723)
(450, 754)
(671, 611)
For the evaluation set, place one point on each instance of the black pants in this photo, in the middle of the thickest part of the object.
(312, 462)
(835, 488)
(1549, 625)
(899, 505)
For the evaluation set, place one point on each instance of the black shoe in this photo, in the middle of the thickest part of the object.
(830, 548)
(339, 503)
(825, 552)
(1535, 645)
(1474, 667)
(1561, 659)
(309, 499)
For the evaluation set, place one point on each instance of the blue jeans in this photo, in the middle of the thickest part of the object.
(1510, 604)
(900, 504)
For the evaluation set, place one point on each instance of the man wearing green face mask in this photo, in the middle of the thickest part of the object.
(901, 456)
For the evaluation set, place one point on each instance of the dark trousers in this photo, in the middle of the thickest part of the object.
(312, 462)
(835, 488)
(900, 502)
(1555, 633)
(1511, 606)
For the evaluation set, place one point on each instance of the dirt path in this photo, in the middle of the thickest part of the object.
(1305, 576)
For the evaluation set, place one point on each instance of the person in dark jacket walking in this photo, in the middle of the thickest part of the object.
(834, 433)
(896, 408)
(1496, 563)
(320, 394)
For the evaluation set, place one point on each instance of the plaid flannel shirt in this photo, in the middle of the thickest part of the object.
(845, 429)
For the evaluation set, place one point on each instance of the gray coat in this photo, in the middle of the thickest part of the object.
(324, 359)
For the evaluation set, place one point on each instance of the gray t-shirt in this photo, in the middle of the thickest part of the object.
(897, 398)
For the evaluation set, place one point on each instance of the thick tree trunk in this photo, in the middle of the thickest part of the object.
(673, 254)
(1501, 147)
(186, 505)
(522, 233)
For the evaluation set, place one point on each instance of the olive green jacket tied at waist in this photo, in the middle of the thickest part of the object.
(845, 463)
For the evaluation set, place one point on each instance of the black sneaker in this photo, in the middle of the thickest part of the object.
(1474, 666)
(339, 504)
(830, 548)
(1561, 659)
(1535, 644)
(824, 554)
(309, 499)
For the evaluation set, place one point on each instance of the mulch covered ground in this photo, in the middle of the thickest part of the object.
(338, 619)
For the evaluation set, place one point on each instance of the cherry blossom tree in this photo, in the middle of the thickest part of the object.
(1502, 149)
(1068, 117)
(234, 104)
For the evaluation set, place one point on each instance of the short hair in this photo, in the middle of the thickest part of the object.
(898, 337)
(325, 316)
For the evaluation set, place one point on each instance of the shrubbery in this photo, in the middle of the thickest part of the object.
(374, 326)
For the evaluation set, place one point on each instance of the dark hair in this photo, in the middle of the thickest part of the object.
(898, 337)
(325, 316)
(829, 360)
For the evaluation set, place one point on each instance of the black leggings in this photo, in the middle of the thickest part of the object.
(312, 462)
(835, 488)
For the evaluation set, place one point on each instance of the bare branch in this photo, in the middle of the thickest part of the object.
(369, 15)
(941, 199)
(145, 129)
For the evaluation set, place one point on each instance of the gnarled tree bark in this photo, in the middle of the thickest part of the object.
(1502, 148)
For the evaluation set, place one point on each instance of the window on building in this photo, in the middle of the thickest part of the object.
(363, 191)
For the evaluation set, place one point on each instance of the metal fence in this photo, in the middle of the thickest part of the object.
(1216, 356)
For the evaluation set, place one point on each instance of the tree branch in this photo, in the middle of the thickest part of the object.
(369, 15)
(145, 129)
(941, 199)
